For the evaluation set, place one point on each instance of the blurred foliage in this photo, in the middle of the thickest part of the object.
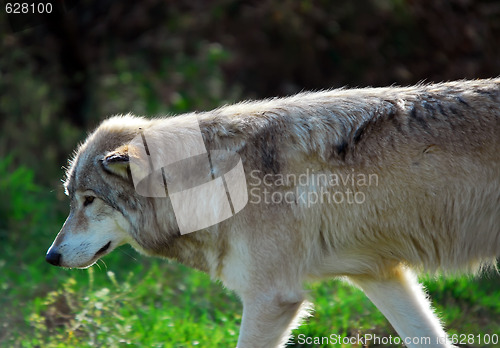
(18, 189)
(25, 208)
(63, 74)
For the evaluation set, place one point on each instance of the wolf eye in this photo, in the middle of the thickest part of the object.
(88, 200)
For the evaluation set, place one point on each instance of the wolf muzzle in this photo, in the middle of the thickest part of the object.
(53, 257)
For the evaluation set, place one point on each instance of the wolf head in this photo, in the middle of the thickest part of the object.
(124, 188)
(105, 210)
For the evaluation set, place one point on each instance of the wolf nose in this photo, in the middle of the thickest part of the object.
(54, 258)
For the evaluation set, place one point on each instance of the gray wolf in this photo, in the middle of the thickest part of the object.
(372, 185)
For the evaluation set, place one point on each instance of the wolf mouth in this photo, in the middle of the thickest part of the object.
(103, 249)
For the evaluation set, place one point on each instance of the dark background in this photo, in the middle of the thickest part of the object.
(63, 73)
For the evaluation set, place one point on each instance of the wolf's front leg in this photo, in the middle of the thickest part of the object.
(269, 316)
(402, 300)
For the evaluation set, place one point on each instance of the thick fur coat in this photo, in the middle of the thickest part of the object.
(367, 184)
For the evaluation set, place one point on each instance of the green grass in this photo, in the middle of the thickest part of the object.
(165, 307)
(161, 304)
(130, 300)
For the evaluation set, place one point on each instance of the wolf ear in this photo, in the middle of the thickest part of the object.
(117, 162)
